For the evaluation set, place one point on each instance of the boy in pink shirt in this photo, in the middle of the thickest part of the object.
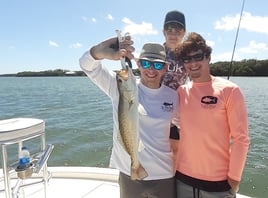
(214, 137)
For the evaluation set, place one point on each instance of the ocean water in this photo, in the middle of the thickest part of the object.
(78, 121)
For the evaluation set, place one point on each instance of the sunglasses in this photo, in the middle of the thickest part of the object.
(196, 57)
(146, 64)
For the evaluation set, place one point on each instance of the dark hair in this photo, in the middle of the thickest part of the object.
(193, 42)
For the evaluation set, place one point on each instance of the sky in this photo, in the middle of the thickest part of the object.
(39, 35)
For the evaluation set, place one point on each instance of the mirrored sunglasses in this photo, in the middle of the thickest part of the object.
(196, 57)
(146, 64)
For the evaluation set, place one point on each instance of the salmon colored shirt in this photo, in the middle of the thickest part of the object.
(214, 137)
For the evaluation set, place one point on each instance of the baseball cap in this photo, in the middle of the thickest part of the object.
(154, 51)
(175, 18)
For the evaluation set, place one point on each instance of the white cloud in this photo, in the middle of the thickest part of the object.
(86, 19)
(250, 51)
(255, 23)
(254, 48)
(94, 20)
(138, 29)
(210, 43)
(76, 45)
(226, 56)
(248, 22)
(110, 17)
(53, 44)
(227, 23)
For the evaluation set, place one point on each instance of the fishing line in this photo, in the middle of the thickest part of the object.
(237, 32)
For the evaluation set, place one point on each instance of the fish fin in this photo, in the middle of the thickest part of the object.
(130, 104)
(141, 146)
(139, 173)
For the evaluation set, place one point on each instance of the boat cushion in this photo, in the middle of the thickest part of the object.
(16, 129)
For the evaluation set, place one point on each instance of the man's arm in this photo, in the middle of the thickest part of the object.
(105, 49)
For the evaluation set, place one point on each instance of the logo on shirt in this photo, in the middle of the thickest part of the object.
(167, 107)
(176, 68)
(209, 102)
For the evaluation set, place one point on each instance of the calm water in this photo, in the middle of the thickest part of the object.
(79, 122)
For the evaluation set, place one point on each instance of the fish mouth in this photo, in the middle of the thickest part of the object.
(123, 74)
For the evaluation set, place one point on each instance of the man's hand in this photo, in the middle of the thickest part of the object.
(104, 50)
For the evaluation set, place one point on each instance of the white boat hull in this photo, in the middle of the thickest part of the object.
(74, 182)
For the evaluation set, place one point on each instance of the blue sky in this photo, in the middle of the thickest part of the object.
(38, 35)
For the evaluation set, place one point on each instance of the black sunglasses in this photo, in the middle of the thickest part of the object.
(196, 57)
(146, 64)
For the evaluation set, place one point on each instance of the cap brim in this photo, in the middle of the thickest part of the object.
(174, 24)
(151, 59)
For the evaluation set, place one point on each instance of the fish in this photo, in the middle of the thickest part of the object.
(128, 119)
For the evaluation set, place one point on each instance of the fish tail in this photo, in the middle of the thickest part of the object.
(138, 173)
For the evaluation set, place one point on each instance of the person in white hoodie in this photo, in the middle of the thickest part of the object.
(160, 106)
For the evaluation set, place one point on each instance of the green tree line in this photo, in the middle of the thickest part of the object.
(249, 67)
(57, 72)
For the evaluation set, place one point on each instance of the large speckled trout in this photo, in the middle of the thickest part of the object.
(128, 119)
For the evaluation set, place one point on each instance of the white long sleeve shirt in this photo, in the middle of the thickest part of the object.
(160, 107)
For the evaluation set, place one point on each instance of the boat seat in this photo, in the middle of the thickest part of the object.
(20, 128)
(16, 131)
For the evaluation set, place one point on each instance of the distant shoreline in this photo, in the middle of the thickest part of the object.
(48, 73)
(249, 67)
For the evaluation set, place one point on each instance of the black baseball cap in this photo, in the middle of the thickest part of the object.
(175, 18)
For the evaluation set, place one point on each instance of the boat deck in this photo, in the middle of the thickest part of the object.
(74, 182)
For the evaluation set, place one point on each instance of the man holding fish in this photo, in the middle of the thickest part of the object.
(142, 112)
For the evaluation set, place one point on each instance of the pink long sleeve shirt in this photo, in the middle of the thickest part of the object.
(214, 137)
